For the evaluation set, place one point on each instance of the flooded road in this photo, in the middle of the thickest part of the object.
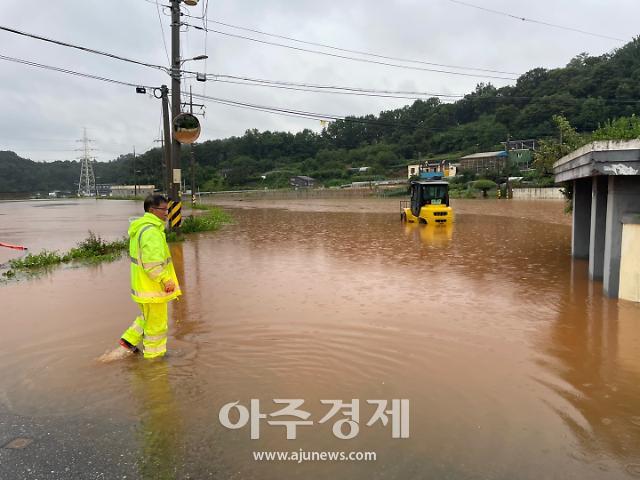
(515, 365)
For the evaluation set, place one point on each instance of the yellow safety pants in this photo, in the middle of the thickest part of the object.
(151, 327)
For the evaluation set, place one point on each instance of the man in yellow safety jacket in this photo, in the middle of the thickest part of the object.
(153, 279)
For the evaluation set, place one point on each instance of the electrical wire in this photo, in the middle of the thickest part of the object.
(72, 72)
(85, 49)
(310, 115)
(336, 92)
(260, 81)
(205, 11)
(298, 86)
(164, 41)
(346, 57)
(384, 93)
(347, 50)
(314, 115)
(539, 22)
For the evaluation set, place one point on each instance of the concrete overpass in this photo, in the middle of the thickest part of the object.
(606, 212)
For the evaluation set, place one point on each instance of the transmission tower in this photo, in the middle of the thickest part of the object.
(87, 183)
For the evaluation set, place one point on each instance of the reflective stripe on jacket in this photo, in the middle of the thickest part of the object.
(151, 263)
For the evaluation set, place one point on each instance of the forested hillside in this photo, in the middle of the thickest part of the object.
(587, 92)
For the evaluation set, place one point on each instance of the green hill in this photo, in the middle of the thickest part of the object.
(588, 92)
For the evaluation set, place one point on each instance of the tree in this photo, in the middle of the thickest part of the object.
(550, 151)
(484, 185)
(624, 128)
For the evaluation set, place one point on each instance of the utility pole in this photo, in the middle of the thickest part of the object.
(193, 177)
(193, 161)
(508, 193)
(135, 180)
(174, 173)
(164, 162)
(166, 144)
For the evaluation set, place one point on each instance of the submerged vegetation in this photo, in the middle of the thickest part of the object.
(211, 219)
(95, 249)
(91, 249)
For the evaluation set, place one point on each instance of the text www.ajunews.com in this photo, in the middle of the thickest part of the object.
(300, 456)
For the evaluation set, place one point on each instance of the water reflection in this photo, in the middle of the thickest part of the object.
(159, 430)
(435, 235)
(592, 354)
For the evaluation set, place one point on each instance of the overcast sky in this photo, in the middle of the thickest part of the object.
(43, 112)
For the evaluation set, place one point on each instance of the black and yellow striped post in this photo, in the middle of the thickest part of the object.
(175, 214)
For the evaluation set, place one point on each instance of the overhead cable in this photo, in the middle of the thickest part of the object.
(347, 50)
(408, 95)
(312, 115)
(335, 92)
(85, 49)
(346, 57)
(276, 110)
(72, 72)
(310, 87)
(164, 41)
(539, 22)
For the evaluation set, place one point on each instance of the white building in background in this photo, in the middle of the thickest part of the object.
(413, 170)
(448, 168)
(132, 190)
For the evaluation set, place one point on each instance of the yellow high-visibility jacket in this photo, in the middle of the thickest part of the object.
(151, 263)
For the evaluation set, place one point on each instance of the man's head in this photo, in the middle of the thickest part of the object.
(157, 204)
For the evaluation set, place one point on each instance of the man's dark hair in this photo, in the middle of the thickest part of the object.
(154, 200)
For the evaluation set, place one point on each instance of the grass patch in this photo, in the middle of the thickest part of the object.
(38, 260)
(173, 237)
(202, 206)
(212, 219)
(394, 192)
(95, 247)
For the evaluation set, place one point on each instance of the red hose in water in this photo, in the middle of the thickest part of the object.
(15, 247)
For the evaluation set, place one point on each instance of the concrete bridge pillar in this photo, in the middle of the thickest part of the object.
(606, 198)
(581, 217)
(623, 197)
(598, 225)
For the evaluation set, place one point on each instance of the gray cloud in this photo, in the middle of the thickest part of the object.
(44, 112)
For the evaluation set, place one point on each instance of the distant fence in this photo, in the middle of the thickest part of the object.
(548, 193)
(301, 193)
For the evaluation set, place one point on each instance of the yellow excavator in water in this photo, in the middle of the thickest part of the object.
(429, 203)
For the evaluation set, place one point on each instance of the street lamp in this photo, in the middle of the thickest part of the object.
(196, 58)
(199, 76)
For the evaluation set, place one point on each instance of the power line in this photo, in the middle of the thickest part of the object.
(539, 22)
(164, 41)
(85, 49)
(331, 87)
(347, 50)
(331, 90)
(314, 115)
(299, 89)
(313, 88)
(311, 115)
(346, 57)
(275, 110)
(385, 93)
(72, 72)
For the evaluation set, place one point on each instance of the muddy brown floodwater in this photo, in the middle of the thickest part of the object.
(514, 364)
